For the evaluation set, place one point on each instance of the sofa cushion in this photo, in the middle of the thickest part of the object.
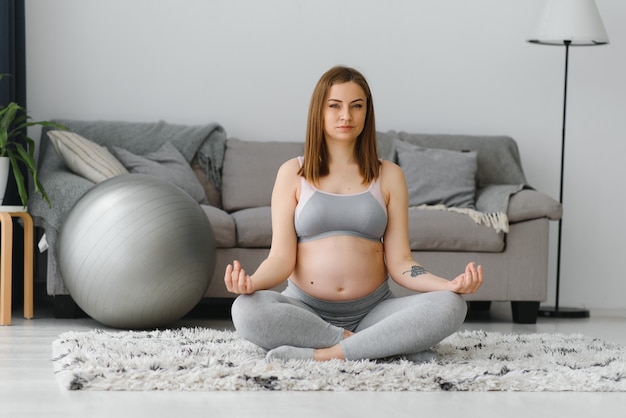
(166, 163)
(250, 169)
(254, 227)
(384, 143)
(211, 192)
(435, 230)
(428, 230)
(223, 226)
(498, 156)
(438, 176)
(530, 204)
(84, 157)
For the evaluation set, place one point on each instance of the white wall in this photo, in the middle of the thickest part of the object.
(436, 66)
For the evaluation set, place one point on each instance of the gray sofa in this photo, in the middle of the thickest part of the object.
(504, 228)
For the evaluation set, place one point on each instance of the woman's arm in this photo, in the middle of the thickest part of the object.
(400, 263)
(280, 262)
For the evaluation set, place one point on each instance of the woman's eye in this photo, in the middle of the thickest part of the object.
(334, 105)
(357, 106)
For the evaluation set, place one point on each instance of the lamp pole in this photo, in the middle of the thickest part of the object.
(569, 23)
(557, 311)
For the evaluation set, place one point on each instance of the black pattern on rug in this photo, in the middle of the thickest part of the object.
(201, 359)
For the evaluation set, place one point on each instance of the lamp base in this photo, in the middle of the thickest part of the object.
(552, 312)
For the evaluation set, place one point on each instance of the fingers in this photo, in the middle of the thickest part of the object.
(473, 277)
(236, 279)
(471, 280)
(228, 278)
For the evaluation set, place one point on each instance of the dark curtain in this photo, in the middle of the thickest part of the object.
(13, 62)
(13, 89)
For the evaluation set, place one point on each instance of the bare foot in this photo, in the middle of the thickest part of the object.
(334, 352)
(321, 354)
(330, 353)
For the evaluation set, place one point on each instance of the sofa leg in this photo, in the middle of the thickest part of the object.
(66, 308)
(480, 305)
(525, 312)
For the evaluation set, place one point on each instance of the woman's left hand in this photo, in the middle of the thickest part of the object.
(470, 281)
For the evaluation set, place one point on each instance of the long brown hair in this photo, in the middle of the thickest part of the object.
(315, 151)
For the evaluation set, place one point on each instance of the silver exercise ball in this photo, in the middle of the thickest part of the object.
(136, 252)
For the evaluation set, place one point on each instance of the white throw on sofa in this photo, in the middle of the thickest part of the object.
(468, 194)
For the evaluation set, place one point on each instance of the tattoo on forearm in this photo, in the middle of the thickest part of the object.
(416, 271)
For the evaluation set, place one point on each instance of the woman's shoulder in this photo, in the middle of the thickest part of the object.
(290, 166)
(288, 173)
(389, 168)
(391, 177)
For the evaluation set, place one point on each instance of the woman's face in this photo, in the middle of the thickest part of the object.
(344, 112)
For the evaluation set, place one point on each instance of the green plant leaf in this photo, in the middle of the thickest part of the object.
(14, 121)
(19, 178)
(8, 116)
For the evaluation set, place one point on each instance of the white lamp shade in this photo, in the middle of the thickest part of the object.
(576, 21)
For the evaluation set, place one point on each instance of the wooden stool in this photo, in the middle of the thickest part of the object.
(6, 261)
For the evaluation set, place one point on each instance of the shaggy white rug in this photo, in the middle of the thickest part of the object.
(206, 359)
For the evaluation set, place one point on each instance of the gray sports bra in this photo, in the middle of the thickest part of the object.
(320, 214)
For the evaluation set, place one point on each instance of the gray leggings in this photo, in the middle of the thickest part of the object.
(384, 325)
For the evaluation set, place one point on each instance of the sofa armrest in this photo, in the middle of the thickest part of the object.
(530, 204)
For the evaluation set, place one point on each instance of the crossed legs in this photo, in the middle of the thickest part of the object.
(406, 326)
(288, 328)
(269, 319)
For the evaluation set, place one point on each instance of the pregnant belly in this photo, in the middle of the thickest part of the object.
(339, 267)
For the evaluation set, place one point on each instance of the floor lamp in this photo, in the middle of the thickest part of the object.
(568, 23)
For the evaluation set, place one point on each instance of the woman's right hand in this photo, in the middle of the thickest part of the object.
(237, 280)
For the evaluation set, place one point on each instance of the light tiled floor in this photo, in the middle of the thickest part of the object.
(28, 387)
